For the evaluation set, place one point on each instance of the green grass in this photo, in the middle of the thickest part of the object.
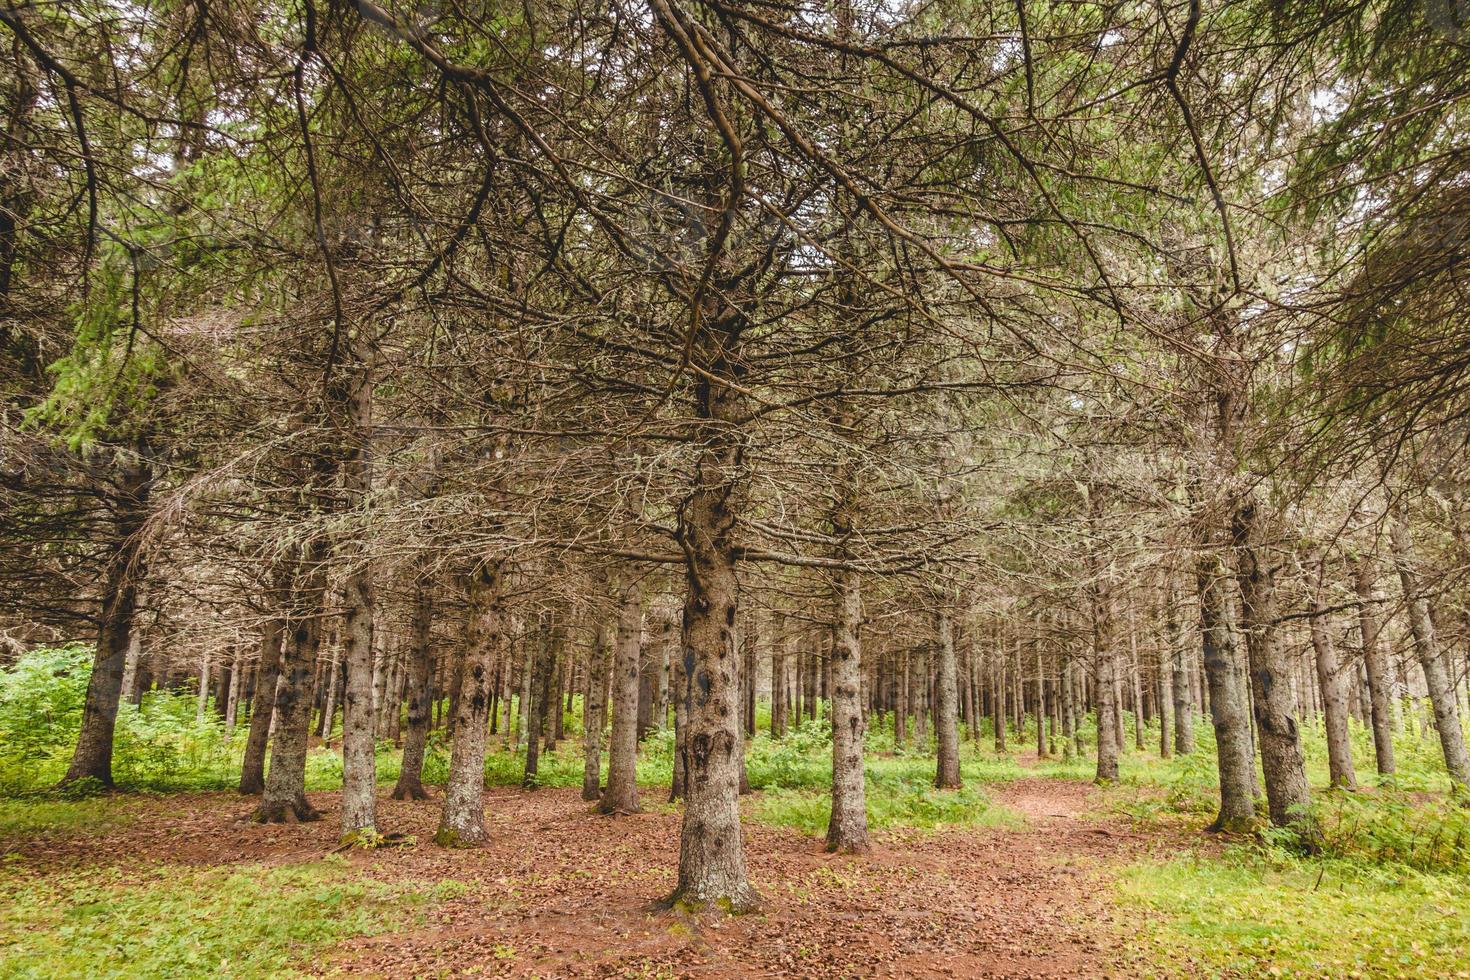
(170, 921)
(890, 805)
(38, 815)
(1249, 915)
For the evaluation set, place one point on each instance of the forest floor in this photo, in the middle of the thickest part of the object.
(562, 892)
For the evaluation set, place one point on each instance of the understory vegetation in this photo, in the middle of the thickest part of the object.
(174, 920)
(1387, 890)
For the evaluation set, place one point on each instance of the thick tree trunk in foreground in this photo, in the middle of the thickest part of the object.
(1287, 793)
(946, 710)
(621, 794)
(711, 851)
(1437, 676)
(1375, 661)
(1332, 681)
(410, 785)
(462, 822)
(594, 710)
(1229, 709)
(847, 829)
(92, 759)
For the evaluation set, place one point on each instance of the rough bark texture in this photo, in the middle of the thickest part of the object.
(919, 692)
(594, 711)
(1332, 681)
(711, 850)
(847, 829)
(1183, 704)
(359, 760)
(462, 822)
(621, 794)
(1105, 659)
(262, 709)
(1375, 660)
(284, 799)
(1228, 704)
(1436, 673)
(410, 785)
(946, 710)
(133, 671)
(1287, 793)
(1069, 729)
(1165, 691)
(129, 504)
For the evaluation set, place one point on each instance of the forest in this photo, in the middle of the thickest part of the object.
(724, 488)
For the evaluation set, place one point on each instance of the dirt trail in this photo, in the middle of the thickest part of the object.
(561, 892)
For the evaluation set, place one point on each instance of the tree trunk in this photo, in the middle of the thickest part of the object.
(594, 710)
(946, 710)
(901, 702)
(847, 830)
(232, 697)
(1165, 687)
(621, 794)
(998, 692)
(1287, 793)
(262, 708)
(1380, 693)
(359, 721)
(711, 851)
(284, 799)
(665, 649)
(1135, 668)
(1437, 680)
(201, 696)
(1040, 708)
(1105, 661)
(919, 691)
(92, 759)
(462, 822)
(1183, 688)
(538, 665)
(528, 684)
(1069, 718)
(1228, 704)
(780, 693)
(410, 785)
(1334, 694)
(551, 720)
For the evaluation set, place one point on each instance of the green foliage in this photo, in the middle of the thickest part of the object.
(1258, 913)
(34, 815)
(1393, 830)
(892, 802)
(159, 745)
(103, 385)
(170, 921)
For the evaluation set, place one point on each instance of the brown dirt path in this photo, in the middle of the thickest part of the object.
(562, 892)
